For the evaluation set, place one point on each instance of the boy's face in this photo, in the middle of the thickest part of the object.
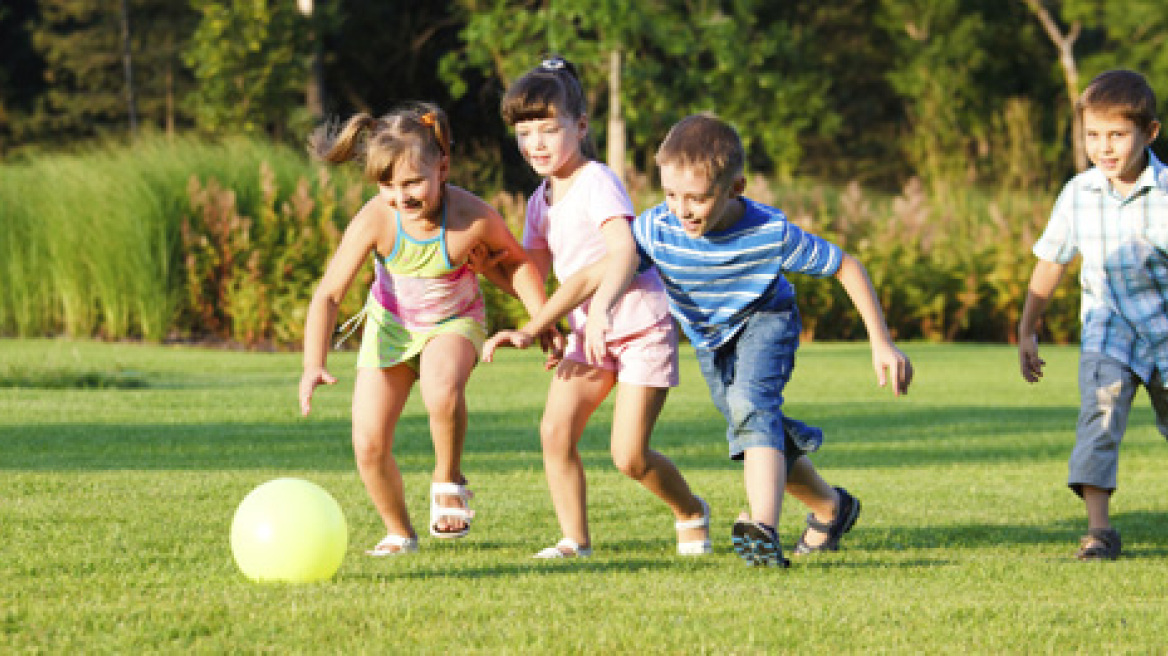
(1116, 145)
(699, 203)
(551, 145)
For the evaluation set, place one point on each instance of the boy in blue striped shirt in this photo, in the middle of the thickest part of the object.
(1115, 215)
(722, 258)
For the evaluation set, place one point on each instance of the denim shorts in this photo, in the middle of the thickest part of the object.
(746, 377)
(1106, 389)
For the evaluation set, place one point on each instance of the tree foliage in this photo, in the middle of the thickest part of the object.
(250, 58)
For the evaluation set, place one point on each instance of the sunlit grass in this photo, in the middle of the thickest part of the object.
(115, 505)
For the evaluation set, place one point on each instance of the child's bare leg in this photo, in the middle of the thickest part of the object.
(575, 393)
(765, 473)
(634, 414)
(1098, 502)
(805, 484)
(445, 367)
(378, 398)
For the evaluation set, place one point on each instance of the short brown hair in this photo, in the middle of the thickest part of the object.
(706, 143)
(1120, 91)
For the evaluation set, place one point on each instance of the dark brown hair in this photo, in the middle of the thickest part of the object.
(550, 90)
(1123, 92)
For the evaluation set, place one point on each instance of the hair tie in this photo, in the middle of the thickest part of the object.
(428, 119)
(553, 64)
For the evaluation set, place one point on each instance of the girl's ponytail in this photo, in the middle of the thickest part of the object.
(336, 143)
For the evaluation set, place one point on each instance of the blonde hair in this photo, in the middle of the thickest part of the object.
(550, 90)
(707, 144)
(1121, 91)
(419, 131)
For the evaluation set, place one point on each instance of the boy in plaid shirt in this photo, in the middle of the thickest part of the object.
(1114, 215)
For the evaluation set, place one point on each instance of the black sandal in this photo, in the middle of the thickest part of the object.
(1099, 544)
(845, 518)
(758, 544)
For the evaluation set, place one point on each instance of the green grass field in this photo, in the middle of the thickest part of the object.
(123, 464)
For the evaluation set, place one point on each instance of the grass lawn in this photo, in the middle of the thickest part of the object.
(123, 464)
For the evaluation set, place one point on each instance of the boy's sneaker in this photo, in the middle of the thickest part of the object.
(845, 518)
(757, 544)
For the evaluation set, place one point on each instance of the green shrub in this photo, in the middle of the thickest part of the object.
(226, 240)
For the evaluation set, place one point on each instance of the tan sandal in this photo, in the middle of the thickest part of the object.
(1100, 544)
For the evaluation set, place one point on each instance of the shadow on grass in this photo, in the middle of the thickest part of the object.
(1137, 527)
(857, 438)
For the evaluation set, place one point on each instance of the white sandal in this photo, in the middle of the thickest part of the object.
(394, 545)
(696, 547)
(439, 512)
(565, 548)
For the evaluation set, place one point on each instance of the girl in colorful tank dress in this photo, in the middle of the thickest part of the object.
(425, 317)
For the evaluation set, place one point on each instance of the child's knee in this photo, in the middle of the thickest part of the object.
(555, 437)
(630, 462)
(369, 446)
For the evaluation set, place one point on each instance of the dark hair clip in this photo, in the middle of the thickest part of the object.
(553, 64)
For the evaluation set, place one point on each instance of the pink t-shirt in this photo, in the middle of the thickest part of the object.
(571, 231)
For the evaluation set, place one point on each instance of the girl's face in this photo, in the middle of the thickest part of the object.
(415, 189)
(552, 146)
(1116, 145)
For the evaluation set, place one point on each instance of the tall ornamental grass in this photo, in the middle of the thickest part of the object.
(225, 241)
(92, 243)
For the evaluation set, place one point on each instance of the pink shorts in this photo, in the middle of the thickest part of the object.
(647, 358)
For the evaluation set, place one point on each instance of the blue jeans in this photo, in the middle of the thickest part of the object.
(746, 377)
(1106, 390)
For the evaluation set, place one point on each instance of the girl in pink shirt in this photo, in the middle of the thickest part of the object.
(579, 215)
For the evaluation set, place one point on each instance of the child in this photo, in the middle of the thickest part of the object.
(425, 317)
(580, 215)
(1116, 216)
(722, 257)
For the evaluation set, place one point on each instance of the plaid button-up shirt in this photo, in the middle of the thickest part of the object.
(1124, 244)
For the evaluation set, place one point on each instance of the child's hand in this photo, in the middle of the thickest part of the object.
(482, 258)
(1028, 358)
(596, 336)
(552, 343)
(513, 338)
(890, 361)
(308, 382)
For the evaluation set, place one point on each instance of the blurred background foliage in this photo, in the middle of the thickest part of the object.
(153, 183)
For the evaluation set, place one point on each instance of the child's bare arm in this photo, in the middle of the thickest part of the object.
(571, 293)
(620, 267)
(887, 359)
(359, 239)
(1043, 281)
(509, 267)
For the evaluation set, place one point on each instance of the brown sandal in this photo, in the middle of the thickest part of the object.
(1100, 544)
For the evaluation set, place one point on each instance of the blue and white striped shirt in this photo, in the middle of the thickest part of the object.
(716, 281)
(1124, 244)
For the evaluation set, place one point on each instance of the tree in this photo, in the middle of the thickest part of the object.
(81, 44)
(682, 57)
(20, 76)
(250, 59)
(1064, 42)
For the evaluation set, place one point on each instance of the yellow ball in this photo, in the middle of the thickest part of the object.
(289, 529)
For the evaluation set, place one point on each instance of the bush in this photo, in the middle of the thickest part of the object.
(226, 241)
